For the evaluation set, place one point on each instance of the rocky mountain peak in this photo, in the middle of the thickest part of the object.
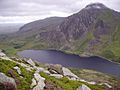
(96, 6)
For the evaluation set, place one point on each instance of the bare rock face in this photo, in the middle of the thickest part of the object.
(7, 83)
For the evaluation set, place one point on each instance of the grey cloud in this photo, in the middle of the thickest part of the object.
(45, 7)
(38, 7)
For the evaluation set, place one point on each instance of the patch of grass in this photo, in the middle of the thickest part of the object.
(23, 83)
(67, 84)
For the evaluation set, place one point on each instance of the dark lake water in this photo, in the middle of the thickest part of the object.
(69, 60)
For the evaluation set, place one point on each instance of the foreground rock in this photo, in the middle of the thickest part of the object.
(83, 87)
(55, 69)
(52, 86)
(67, 72)
(7, 83)
(57, 75)
(31, 62)
(2, 54)
(18, 70)
(40, 82)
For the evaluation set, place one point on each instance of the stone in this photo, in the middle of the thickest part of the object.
(57, 68)
(18, 70)
(57, 75)
(40, 69)
(25, 66)
(7, 83)
(83, 87)
(67, 72)
(106, 85)
(40, 82)
(33, 83)
(52, 86)
(2, 54)
(31, 62)
(11, 73)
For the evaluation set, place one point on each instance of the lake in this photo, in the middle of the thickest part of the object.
(70, 60)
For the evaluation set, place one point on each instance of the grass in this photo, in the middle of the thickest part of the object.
(67, 84)
(91, 75)
(22, 83)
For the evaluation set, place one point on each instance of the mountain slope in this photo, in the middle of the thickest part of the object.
(41, 24)
(92, 31)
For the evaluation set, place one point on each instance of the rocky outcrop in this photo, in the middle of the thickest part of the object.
(54, 69)
(40, 82)
(34, 83)
(40, 69)
(7, 83)
(2, 54)
(57, 75)
(67, 72)
(83, 87)
(52, 86)
(31, 62)
(18, 70)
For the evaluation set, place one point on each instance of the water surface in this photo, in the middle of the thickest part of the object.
(69, 60)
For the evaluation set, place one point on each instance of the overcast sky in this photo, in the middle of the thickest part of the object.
(23, 11)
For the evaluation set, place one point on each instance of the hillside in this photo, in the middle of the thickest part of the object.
(24, 74)
(92, 31)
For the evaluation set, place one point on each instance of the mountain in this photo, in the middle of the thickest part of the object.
(94, 30)
(39, 24)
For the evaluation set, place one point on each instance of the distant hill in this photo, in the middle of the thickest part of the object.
(6, 28)
(39, 24)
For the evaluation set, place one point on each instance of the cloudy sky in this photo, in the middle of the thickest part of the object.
(23, 11)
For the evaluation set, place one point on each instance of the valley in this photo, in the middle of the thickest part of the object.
(78, 52)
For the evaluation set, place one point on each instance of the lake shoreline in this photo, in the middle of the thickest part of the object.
(72, 60)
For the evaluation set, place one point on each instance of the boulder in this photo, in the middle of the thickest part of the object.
(52, 86)
(7, 83)
(2, 54)
(40, 69)
(40, 82)
(30, 61)
(25, 66)
(83, 87)
(56, 75)
(33, 83)
(55, 68)
(18, 70)
(67, 72)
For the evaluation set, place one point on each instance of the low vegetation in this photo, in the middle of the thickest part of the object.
(24, 82)
(67, 84)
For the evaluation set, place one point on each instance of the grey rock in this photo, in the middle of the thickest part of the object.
(83, 87)
(67, 72)
(56, 75)
(31, 62)
(40, 82)
(18, 70)
(54, 69)
(34, 83)
(7, 83)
